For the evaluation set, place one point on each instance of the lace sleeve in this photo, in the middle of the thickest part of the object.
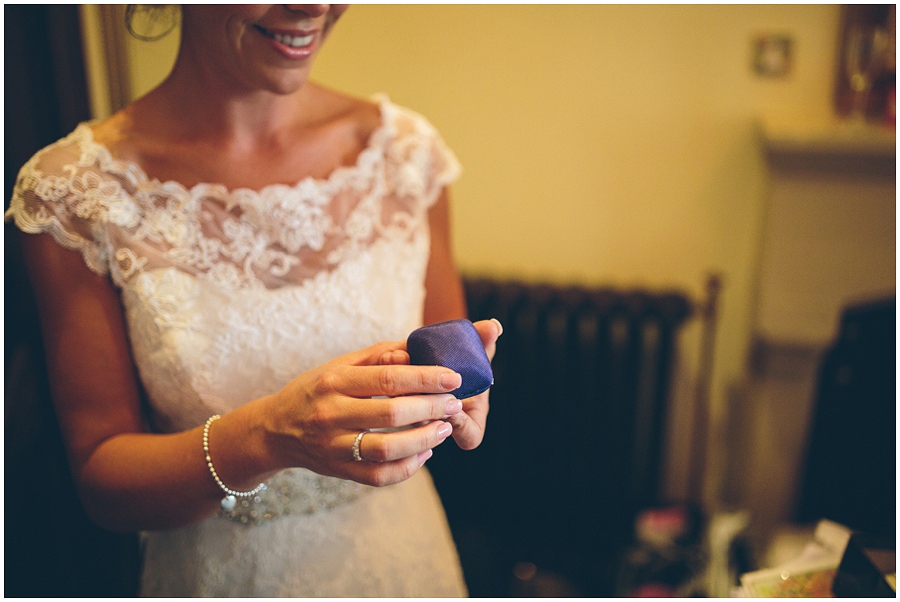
(55, 194)
(428, 164)
(445, 166)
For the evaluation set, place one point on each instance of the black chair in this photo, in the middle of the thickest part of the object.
(850, 466)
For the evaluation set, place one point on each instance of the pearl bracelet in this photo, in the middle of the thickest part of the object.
(229, 500)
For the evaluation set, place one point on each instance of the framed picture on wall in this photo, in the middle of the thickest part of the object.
(866, 66)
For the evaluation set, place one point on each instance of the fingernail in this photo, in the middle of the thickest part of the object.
(450, 381)
(454, 406)
(423, 457)
(444, 431)
(499, 325)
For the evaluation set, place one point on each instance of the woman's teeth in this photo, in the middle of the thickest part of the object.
(292, 41)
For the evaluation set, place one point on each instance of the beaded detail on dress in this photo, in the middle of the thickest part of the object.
(295, 491)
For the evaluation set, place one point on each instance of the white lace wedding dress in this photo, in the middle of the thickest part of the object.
(229, 294)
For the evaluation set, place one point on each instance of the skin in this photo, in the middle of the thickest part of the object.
(259, 122)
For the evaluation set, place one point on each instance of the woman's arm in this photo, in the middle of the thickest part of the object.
(129, 479)
(444, 295)
(96, 398)
(445, 300)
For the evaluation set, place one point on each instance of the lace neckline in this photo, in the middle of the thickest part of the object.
(370, 153)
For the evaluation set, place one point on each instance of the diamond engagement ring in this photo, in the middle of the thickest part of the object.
(355, 447)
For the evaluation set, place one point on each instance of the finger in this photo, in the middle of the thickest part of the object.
(466, 432)
(388, 447)
(371, 355)
(386, 473)
(396, 412)
(397, 357)
(390, 380)
(469, 425)
(489, 331)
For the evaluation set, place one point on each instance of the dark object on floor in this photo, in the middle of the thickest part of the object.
(863, 569)
(667, 555)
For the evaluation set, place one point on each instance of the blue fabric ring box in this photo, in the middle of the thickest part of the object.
(455, 345)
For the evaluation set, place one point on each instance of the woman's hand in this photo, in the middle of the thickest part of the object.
(315, 419)
(445, 300)
(469, 425)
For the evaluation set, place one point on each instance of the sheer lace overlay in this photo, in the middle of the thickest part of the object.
(228, 295)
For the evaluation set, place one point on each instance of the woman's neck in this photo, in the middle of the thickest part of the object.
(209, 106)
(190, 135)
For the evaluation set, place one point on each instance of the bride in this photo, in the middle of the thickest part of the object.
(226, 271)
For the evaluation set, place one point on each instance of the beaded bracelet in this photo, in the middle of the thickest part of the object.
(229, 500)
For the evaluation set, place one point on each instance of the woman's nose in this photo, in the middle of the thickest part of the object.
(313, 10)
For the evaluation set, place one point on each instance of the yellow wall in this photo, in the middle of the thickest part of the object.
(600, 144)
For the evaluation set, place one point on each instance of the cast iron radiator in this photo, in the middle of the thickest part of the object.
(575, 433)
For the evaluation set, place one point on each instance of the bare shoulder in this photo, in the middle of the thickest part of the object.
(118, 133)
(332, 107)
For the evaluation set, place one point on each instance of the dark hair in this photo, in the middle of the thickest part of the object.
(151, 22)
